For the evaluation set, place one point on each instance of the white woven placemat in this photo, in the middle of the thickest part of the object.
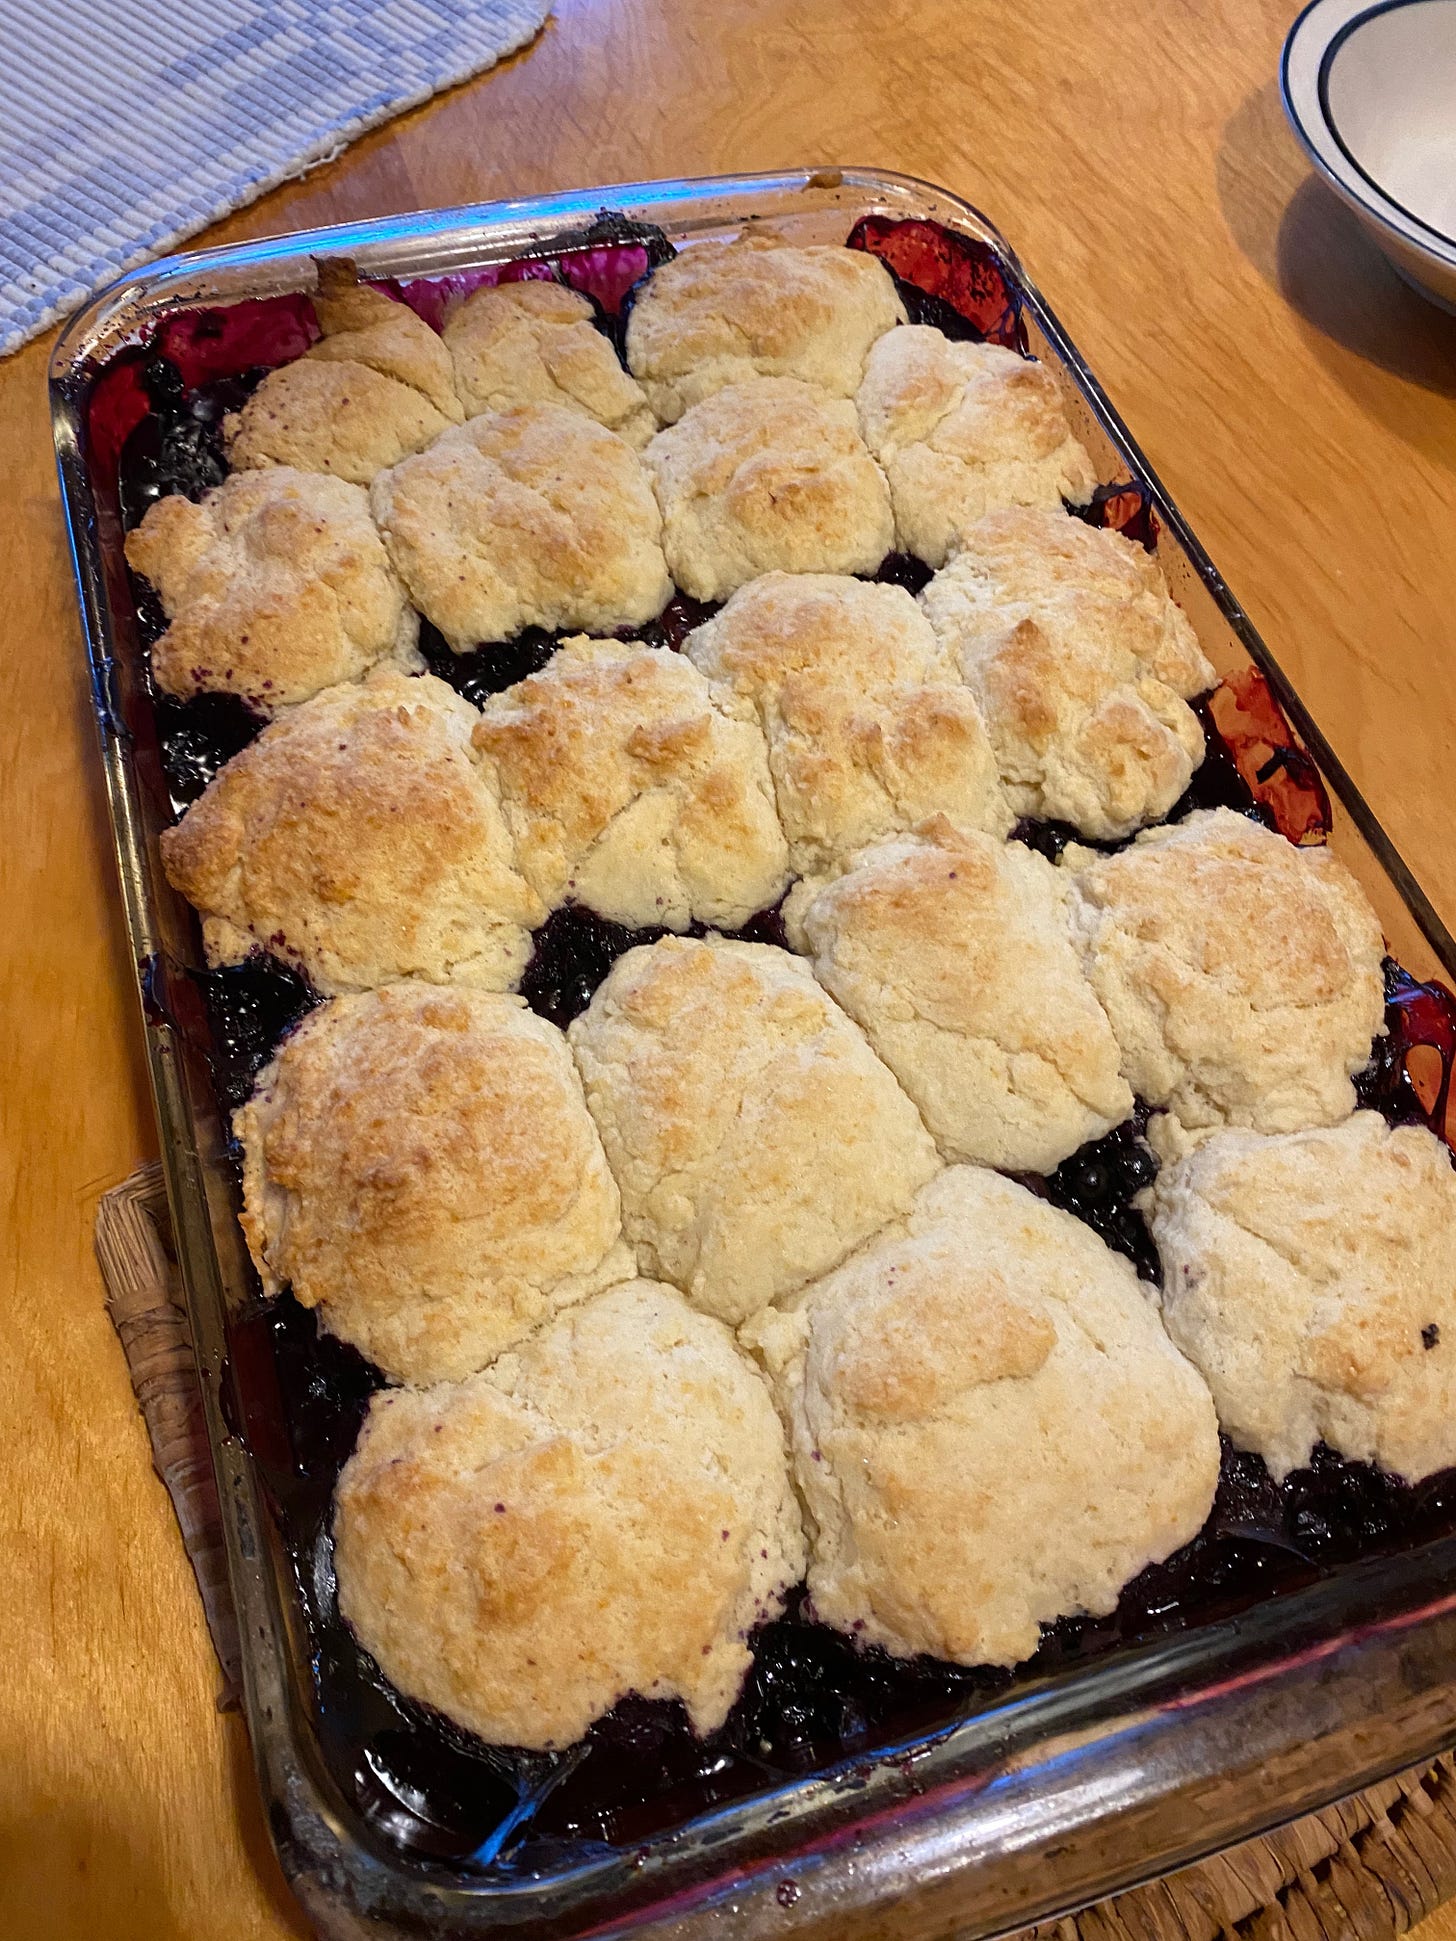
(131, 124)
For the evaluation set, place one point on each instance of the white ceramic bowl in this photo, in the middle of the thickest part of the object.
(1371, 92)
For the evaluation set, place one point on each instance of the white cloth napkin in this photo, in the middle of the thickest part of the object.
(130, 124)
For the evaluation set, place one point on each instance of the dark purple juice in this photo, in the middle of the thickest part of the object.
(426, 1789)
(575, 948)
(1099, 1184)
(490, 669)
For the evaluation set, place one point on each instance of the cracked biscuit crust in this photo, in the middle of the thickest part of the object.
(753, 1132)
(1082, 664)
(961, 429)
(867, 733)
(954, 952)
(630, 787)
(1312, 1278)
(757, 307)
(535, 343)
(1241, 975)
(988, 1425)
(276, 585)
(605, 1510)
(377, 385)
(420, 1166)
(359, 839)
(770, 475)
(529, 517)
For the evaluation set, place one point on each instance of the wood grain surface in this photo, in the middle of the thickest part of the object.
(1299, 401)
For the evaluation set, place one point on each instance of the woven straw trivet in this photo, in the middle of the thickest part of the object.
(1363, 1870)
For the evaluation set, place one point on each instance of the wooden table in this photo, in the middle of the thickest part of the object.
(1298, 400)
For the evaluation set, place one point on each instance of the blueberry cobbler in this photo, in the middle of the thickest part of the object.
(818, 1126)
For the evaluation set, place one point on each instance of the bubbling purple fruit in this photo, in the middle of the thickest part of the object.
(813, 1697)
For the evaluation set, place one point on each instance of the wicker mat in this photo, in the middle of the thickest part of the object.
(1365, 1869)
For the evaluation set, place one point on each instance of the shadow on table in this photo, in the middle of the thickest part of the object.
(73, 1869)
(63, 1874)
(1305, 242)
(253, 1830)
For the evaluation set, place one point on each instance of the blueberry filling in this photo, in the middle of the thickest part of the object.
(575, 948)
(486, 670)
(1217, 782)
(905, 570)
(198, 736)
(813, 1696)
(1099, 1183)
(178, 447)
(676, 621)
(252, 1006)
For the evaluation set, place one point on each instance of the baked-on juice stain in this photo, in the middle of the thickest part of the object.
(813, 1697)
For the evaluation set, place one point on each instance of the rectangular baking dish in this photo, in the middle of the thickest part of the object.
(1063, 1790)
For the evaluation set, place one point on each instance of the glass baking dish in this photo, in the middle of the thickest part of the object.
(1060, 1790)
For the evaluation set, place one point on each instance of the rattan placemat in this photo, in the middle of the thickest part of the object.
(1365, 1869)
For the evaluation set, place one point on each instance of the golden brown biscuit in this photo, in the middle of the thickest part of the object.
(754, 1134)
(962, 428)
(757, 307)
(866, 735)
(767, 475)
(363, 325)
(629, 786)
(1312, 1278)
(954, 953)
(1035, 557)
(531, 517)
(330, 417)
(1081, 663)
(988, 1425)
(359, 839)
(605, 1510)
(420, 1166)
(1241, 975)
(377, 384)
(535, 343)
(276, 585)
